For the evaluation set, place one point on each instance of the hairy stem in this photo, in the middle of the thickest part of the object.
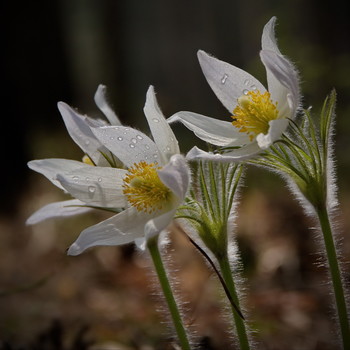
(335, 276)
(239, 322)
(152, 245)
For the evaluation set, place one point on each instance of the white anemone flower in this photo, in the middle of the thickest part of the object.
(152, 185)
(79, 128)
(259, 115)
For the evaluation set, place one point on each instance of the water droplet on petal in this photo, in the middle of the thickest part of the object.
(120, 138)
(99, 179)
(246, 82)
(147, 147)
(167, 148)
(132, 145)
(87, 179)
(156, 120)
(133, 140)
(75, 178)
(139, 137)
(224, 78)
(253, 87)
(155, 155)
(92, 189)
(111, 138)
(245, 92)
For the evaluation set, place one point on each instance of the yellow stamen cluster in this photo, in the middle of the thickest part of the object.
(253, 113)
(143, 188)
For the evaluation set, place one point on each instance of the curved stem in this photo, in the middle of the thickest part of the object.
(336, 276)
(152, 245)
(239, 322)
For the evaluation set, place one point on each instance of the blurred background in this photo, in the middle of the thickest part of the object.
(60, 50)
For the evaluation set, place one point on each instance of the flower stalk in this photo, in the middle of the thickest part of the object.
(152, 246)
(227, 275)
(209, 211)
(335, 273)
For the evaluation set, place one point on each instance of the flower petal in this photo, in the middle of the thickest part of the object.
(51, 167)
(162, 134)
(268, 38)
(127, 144)
(80, 132)
(103, 105)
(176, 176)
(228, 82)
(154, 226)
(236, 155)
(277, 127)
(58, 209)
(283, 82)
(213, 131)
(120, 229)
(98, 186)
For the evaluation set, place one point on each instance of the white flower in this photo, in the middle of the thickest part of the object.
(150, 188)
(259, 116)
(78, 127)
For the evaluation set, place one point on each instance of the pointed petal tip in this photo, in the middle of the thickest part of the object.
(74, 250)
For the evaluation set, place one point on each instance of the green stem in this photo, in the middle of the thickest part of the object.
(239, 322)
(335, 275)
(168, 294)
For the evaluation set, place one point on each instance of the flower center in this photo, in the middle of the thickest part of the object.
(253, 113)
(143, 188)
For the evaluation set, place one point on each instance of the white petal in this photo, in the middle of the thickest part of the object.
(120, 229)
(282, 81)
(268, 39)
(98, 186)
(228, 82)
(277, 127)
(162, 134)
(214, 131)
(156, 225)
(236, 155)
(103, 105)
(80, 132)
(58, 209)
(176, 176)
(127, 144)
(51, 167)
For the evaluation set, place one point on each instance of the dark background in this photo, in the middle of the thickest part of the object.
(61, 50)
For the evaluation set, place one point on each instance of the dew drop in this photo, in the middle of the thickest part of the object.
(139, 137)
(92, 189)
(132, 145)
(167, 148)
(111, 138)
(133, 140)
(87, 179)
(224, 78)
(253, 87)
(155, 155)
(99, 179)
(147, 147)
(245, 92)
(246, 82)
(75, 178)
(120, 138)
(156, 120)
